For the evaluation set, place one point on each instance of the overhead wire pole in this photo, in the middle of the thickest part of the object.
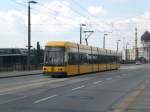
(104, 40)
(86, 38)
(136, 48)
(118, 44)
(81, 32)
(127, 51)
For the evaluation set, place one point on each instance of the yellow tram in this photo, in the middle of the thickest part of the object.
(66, 58)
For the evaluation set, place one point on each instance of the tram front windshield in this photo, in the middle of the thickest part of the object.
(54, 56)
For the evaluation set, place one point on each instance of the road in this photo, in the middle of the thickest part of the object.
(97, 92)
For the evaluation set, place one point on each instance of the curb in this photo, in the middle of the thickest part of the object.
(19, 75)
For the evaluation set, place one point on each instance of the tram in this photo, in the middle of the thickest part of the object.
(64, 58)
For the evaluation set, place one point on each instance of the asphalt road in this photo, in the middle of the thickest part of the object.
(97, 92)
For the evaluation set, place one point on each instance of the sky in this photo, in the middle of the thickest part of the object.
(60, 20)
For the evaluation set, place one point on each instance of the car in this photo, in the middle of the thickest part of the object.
(138, 63)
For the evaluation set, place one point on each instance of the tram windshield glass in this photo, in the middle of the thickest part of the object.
(54, 56)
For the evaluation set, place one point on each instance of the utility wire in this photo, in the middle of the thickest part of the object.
(84, 9)
(54, 17)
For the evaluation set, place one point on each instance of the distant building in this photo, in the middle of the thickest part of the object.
(143, 50)
(131, 53)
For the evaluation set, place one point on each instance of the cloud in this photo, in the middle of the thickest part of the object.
(56, 21)
(12, 30)
(96, 10)
(53, 21)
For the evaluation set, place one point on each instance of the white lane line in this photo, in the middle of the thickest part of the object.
(108, 78)
(12, 100)
(97, 82)
(78, 87)
(1, 94)
(44, 99)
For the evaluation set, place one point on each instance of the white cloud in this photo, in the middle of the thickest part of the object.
(50, 22)
(56, 21)
(96, 10)
(12, 29)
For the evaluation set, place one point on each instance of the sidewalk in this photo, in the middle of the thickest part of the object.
(142, 101)
(19, 73)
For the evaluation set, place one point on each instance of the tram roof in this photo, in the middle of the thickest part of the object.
(67, 43)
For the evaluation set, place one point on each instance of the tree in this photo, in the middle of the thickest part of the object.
(38, 54)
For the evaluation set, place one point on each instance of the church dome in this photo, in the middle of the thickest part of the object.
(145, 37)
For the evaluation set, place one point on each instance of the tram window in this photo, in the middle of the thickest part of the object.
(107, 59)
(118, 59)
(73, 58)
(104, 59)
(111, 59)
(114, 59)
(95, 59)
(101, 59)
(83, 59)
(89, 58)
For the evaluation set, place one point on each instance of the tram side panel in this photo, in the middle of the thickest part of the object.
(85, 66)
(73, 60)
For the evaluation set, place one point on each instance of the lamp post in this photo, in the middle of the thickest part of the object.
(29, 32)
(104, 40)
(81, 32)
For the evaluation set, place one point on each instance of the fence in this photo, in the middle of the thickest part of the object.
(19, 67)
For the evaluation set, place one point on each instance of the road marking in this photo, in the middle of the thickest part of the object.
(44, 99)
(12, 100)
(97, 82)
(30, 85)
(3, 94)
(78, 87)
(108, 78)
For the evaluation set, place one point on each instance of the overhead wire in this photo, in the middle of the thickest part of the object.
(84, 9)
(36, 10)
(54, 17)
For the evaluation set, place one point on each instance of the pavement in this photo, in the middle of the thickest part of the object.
(19, 73)
(123, 90)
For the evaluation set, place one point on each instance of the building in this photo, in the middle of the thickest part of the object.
(143, 50)
(145, 46)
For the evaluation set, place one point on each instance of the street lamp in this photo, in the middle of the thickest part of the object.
(81, 32)
(29, 32)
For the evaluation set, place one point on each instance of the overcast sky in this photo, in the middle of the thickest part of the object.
(60, 19)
